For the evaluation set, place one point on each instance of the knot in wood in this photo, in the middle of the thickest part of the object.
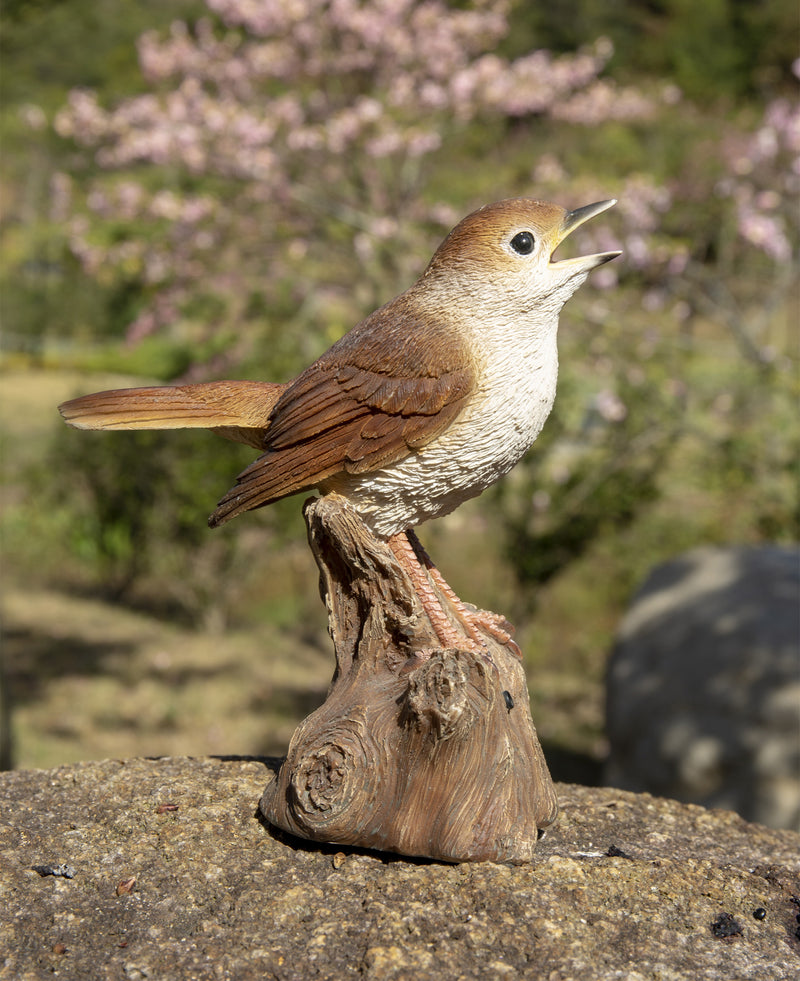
(437, 699)
(319, 780)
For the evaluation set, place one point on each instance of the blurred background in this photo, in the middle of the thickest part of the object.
(193, 191)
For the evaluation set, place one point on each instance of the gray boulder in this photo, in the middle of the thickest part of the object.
(703, 691)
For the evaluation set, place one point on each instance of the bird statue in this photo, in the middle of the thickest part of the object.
(422, 405)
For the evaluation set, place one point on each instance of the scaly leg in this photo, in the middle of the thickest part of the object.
(418, 565)
(492, 623)
(446, 631)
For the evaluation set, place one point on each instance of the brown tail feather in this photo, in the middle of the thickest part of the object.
(238, 410)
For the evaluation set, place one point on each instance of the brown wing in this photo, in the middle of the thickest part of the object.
(386, 389)
(238, 410)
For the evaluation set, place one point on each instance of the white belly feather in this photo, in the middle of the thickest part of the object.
(514, 397)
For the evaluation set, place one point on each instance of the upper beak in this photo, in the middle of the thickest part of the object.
(572, 220)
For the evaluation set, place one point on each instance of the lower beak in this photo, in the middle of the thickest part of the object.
(573, 220)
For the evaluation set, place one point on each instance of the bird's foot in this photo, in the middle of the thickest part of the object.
(496, 625)
(474, 620)
(463, 634)
(469, 638)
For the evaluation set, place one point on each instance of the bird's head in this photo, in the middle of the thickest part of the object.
(502, 255)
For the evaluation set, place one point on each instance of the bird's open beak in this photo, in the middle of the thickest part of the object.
(572, 220)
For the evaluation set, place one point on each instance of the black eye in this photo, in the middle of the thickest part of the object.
(522, 243)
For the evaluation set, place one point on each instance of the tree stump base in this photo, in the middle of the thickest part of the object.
(420, 750)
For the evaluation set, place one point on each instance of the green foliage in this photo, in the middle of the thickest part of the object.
(597, 466)
(714, 50)
(47, 46)
(137, 502)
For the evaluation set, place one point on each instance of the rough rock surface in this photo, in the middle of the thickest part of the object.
(174, 876)
(704, 684)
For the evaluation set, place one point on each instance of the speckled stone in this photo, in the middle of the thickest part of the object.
(217, 894)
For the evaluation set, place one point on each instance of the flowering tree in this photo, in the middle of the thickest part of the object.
(290, 147)
(765, 178)
(761, 186)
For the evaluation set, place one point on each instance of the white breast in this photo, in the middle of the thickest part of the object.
(514, 397)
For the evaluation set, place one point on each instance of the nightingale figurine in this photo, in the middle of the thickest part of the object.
(419, 407)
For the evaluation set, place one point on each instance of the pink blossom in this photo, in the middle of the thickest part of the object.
(764, 183)
(32, 116)
(609, 405)
(309, 114)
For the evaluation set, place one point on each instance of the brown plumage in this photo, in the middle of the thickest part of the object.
(237, 410)
(339, 415)
(419, 407)
(343, 415)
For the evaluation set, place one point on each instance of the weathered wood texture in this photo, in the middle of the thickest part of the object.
(417, 750)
